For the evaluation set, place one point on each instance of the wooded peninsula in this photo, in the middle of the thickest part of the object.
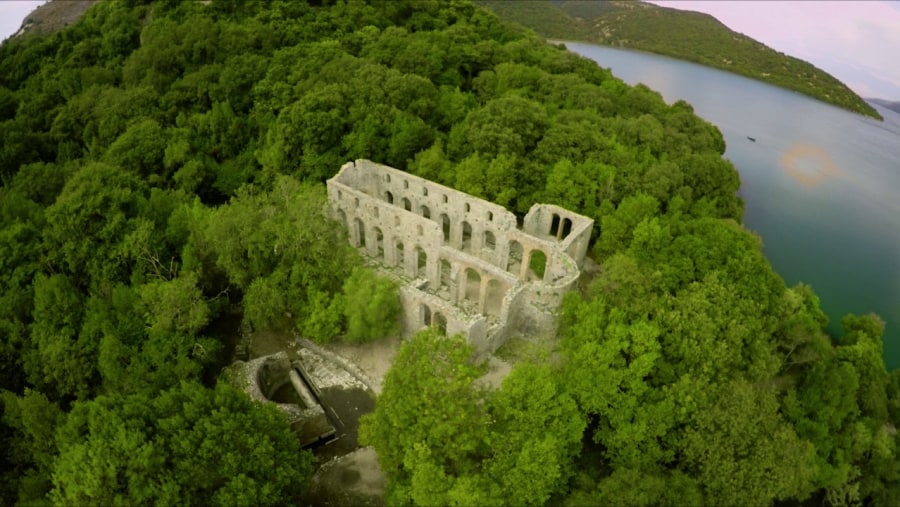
(162, 166)
(685, 35)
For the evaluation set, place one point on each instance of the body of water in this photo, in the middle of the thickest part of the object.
(821, 185)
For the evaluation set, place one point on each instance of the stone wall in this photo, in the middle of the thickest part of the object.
(466, 265)
(260, 378)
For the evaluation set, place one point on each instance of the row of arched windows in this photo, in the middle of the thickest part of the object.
(535, 258)
(435, 320)
(560, 229)
(406, 204)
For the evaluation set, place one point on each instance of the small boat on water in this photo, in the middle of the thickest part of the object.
(751, 138)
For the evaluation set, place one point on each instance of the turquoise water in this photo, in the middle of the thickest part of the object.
(821, 185)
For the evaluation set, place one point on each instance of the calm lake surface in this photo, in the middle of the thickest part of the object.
(821, 185)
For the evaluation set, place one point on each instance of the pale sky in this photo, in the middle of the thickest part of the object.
(858, 42)
(12, 12)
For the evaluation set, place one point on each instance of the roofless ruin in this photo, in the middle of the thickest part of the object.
(466, 264)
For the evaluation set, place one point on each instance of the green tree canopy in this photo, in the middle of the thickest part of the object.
(188, 445)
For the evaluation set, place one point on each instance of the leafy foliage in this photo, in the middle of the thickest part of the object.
(161, 164)
(281, 249)
(187, 445)
(443, 440)
(371, 306)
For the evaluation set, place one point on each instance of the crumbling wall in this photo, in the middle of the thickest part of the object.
(267, 374)
(467, 266)
(260, 378)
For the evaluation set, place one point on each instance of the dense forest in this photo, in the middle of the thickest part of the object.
(686, 35)
(162, 166)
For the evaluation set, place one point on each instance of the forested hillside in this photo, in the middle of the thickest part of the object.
(162, 166)
(686, 35)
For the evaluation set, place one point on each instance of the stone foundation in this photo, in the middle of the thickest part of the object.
(262, 377)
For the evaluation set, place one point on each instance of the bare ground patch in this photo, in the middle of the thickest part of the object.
(373, 358)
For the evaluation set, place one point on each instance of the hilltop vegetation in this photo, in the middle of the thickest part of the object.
(686, 35)
(53, 16)
(162, 166)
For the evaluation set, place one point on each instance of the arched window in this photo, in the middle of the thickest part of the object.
(445, 278)
(473, 285)
(466, 237)
(445, 226)
(389, 197)
(514, 261)
(421, 261)
(493, 298)
(566, 228)
(342, 217)
(361, 233)
(490, 242)
(537, 264)
(440, 323)
(379, 243)
(407, 205)
(425, 311)
(554, 225)
(425, 211)
(400, 254)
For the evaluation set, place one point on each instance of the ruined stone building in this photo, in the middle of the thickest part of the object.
(467, 265)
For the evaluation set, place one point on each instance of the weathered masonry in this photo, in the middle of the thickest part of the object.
(467, 265)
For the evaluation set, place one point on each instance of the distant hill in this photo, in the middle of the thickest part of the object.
(685, 35)
(53, 16)
(893, 106)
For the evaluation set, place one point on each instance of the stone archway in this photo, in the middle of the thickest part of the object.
(343, 218)
(425, 314)
(472, 286)
(493, 297)
(537, 264)
(466, 237)
(379, 243)
(445, 227)
(360, 233)
(400, 255)
(439, 322)
(566, 228)
(514, 258)
(445, 285)
(421, 261)
(489, 241)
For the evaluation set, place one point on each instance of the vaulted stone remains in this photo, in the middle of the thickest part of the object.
(466, 265)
